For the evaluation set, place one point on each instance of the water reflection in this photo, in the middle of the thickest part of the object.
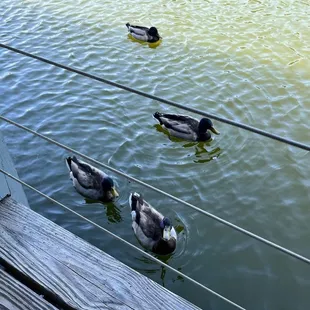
(113, 213)
(151, 45)
(166, 132)
(163, 270)
(164, 258)
(201, 153)
(178, 228)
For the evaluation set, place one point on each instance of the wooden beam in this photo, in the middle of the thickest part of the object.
(78, 273)
(16, 296)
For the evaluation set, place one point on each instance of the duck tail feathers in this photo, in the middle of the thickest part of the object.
(135, 212)
(133, 215)
(133, 202)
(133, 199)
(157, 115)
(130, 201)
(128, 25)
(68, 162)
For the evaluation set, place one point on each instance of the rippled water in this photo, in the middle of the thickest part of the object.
(248, 61)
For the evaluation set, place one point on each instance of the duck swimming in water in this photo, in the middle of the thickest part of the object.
(89, 181)
(145, 34)
(152, 229)
(186, 127)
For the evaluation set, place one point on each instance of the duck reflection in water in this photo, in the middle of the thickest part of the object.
(165, 259)
(150, 45)
(202, 154)
(113, 213)
(186, 127)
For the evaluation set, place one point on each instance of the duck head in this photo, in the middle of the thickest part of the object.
(206, 124)
(167, 243)
(153, 32)
(109, 188)
(166, 226)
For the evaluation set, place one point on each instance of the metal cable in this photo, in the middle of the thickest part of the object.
(169, 102)
(124, 241)
(242, 230)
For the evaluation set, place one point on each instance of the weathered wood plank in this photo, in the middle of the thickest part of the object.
(79, 273)
(16, 296)
(7, 185)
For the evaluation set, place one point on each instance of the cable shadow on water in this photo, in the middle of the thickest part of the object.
(202, 154)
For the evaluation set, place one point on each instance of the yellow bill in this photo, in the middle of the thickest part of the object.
(214, 131)
(114, 192)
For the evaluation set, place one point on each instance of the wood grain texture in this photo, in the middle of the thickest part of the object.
(79, 273)
(16, 296)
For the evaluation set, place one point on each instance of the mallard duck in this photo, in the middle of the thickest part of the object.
(145, 34)
(186, 127)
(152, 229)
(89, 181)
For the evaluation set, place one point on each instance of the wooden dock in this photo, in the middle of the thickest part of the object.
(41, 258)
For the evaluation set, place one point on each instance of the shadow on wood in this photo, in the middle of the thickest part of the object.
(14, 295)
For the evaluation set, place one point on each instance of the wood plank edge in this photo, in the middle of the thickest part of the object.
(2, 199)
(15, 295)
(36, 287)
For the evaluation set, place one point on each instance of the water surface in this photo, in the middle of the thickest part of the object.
(247, 61)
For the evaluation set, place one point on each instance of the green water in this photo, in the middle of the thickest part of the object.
(247, 61)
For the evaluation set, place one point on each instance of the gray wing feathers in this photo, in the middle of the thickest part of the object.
(141, 31)
(175, 125)
(180, 118)
(88, 177)
(182, 135)
(181, 126)
(181, 123)
(150, 221)
(140, 37)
